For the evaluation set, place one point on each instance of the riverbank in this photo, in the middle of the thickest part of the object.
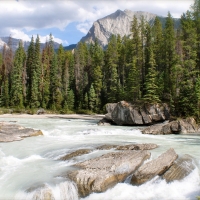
(64, 116)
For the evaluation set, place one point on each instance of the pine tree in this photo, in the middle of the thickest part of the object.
(133, 83)
(81, 75)
(187, 100)
(70, 100)
(30, 65)
(92, 98)
(36, 74)
(96, 54)
(17, 80)
(110, 74)
(170, 62)
(157, 35)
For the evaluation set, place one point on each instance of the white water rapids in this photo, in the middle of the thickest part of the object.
(30, 167)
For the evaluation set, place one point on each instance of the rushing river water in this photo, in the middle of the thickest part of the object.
(34, 162)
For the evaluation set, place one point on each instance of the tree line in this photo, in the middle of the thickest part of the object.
(155, 64)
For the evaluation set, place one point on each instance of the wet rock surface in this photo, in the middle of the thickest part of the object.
(99, 174)
(137, 147)
(181, 168)
(180, 126)
(153, 168)
(12, 132)
(107, 147)
(75, 154)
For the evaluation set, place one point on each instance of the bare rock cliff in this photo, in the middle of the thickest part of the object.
(119, 22)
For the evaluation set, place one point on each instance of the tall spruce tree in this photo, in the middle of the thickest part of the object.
(151, 87)
(17, 79)
(187, 100)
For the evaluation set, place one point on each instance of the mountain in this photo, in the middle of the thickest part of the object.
(118, 22)
(15, 44)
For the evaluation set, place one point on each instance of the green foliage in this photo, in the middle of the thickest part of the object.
(155, 64)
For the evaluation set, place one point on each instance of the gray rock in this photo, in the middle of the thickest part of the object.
(107, 147)
(75, 154)
(148, 146)
(13, 132)
(153, 168)
(180, 126)
(124, 113)
(118, 23)
(40, 111)
(181, 168)
(99, 174)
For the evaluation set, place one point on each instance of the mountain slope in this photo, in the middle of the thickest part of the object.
(15, 43)
(117, 23)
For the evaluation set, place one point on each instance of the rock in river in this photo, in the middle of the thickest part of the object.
(99, 174)
(76, 153)
(13, 132)
(124, 113)
(153, 168)
(180, 126)
(182, 167)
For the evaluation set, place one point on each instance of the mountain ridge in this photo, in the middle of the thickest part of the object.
(119, 22)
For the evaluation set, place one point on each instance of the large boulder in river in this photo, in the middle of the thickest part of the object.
(99, 174)
(180, 126)
(12, 132)
(124, 113)
(153, 168)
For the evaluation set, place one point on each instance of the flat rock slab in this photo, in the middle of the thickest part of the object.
(181, 168)
(75, 154)
(14, 132)
(137, 147)
(153, 168)
(99, 174)
(107, 147)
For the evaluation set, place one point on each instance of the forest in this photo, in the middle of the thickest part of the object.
(154, 64)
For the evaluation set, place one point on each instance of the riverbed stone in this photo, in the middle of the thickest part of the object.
(180, 126)
(153, 168)
(99, 174)
(181, 168)
(147, 146)
(13, 132)
(76, 153)
(107, 147)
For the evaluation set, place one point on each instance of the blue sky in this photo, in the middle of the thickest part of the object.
(70, 20)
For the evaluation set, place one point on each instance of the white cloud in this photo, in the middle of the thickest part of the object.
(84, 27)
(45, 38)
(19, 35)
(16, 16)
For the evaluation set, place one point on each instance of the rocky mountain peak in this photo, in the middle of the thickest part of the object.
(118, 22)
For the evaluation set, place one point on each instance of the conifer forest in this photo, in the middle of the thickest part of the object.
(156, 63)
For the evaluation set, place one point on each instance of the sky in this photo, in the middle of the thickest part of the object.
(70, 20)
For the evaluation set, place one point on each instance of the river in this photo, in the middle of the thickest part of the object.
(34, 162)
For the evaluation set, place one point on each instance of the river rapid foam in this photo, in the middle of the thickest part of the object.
(31, 169)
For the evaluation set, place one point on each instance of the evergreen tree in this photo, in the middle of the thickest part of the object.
(17, 80)
(110, 75)
(187, 100)
(157, 35)
(133, 83)
(30, 65)
(70, 100)
(170, 61)
(36, 75)
(92, 98)
(81, 75)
